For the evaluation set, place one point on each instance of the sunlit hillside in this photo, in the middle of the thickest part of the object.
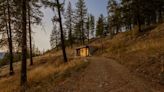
(142, 53)
(47, 71)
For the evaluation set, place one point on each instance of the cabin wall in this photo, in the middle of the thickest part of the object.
(84, 52)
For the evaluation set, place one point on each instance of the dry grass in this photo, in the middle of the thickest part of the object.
(46, 72)
(52, 75)
(132, 41)
(152, 44)
(140, 52)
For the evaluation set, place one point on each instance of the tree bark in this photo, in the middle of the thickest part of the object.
(139, 23)
(88, 28)
(88, 36)
(70, 33)
(24, 47)
(70, 36)
(30, 37)
(82, 29)
(61, 29)
(160, 19)
(138, 17)
(10, 39)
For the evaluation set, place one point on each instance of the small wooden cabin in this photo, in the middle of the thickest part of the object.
(85, 51)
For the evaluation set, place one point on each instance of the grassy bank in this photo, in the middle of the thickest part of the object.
(47, 71)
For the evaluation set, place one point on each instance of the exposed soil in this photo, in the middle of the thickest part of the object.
(106, 75)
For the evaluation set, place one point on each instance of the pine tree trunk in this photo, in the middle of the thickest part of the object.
(138, 17)
(160, 16)
(30, 38)
(24, 47)
(88, 33)
(56, 42)
(70, 36)
(139, 23)
(88, 36)
(10, 40)
(61, 28)
(71, 40)
(82, 30)
(117, 29)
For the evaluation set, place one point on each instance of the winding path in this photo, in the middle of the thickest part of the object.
(104, 75)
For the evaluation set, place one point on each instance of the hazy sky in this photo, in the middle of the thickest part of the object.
(42, 34)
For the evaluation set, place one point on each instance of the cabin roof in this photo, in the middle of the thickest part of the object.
(82, 47)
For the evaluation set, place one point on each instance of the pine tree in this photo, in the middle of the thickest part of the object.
(61, 28)
(29, 27)
(92, 24)
(34, 17)
(160, 9)
(100, 26)
(24, 45)
(77, 35)
(10, 38)
(54, 37)
(115, 20)
(129, 13)
(6, 7)
(69, 23)
(59, 8)
(88, 27)
(81, 16)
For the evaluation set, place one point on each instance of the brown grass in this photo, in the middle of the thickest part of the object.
(140, 52)
(46, 72)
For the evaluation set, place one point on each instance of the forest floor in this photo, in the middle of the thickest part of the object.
(106, 75)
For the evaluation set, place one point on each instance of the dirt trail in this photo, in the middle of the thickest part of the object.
(105, 75)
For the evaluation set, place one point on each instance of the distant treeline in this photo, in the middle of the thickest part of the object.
(123, 15)
(126, 14)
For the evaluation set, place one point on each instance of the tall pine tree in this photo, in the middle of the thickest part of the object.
(100, 26)
(24, 45)
(81, 18)
(6, 27)
(56, 5)
(69, 23)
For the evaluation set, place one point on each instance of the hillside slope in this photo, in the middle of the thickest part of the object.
(129, 62)
(140, 52)
(47, 71)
